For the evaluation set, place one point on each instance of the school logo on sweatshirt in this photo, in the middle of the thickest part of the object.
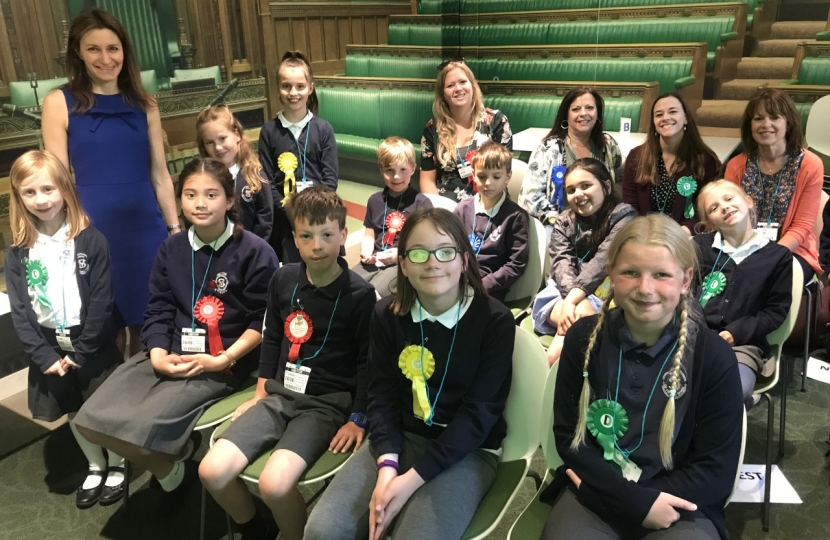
(83, 263)
(221, 282)
(496, 234)
(247, 196)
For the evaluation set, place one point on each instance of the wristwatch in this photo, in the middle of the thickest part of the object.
(173, 227)
(359, 419)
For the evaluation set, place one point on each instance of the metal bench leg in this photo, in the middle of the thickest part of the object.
(202, 509)
(785, 368)
(228, 524)
(807, 335)
(127, 473)
(768, 470)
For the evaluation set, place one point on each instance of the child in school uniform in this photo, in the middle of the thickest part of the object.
(440, 366)
(386, 213)
(58, 281)
(747, 280)
(311, 392)
(498, 226)
(202, 328)
(579, 250)
(220, 136)
(647, 412)
(297, 148)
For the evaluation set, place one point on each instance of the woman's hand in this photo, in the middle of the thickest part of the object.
(664, 511)
(389, 503)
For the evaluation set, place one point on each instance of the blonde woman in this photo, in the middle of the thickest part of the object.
(459, 126)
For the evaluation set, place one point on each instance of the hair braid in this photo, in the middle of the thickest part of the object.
(667, 422)
(585, 394)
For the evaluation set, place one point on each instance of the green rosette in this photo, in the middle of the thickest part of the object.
(713, 284)
(37, 276)
(607, 421)
(686, 186)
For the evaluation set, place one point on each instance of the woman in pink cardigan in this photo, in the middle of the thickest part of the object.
(783, 178)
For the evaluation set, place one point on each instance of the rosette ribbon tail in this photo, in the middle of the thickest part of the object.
(389, 237)
(417, 364)
(606, 441)
(290, 184)
(420, 401)
(689, 213)
(294, 352)
(40, 294)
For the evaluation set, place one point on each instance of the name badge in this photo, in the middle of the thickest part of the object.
(64, 342)
(193, 340)
(465, 170)
(296, 378)
(302, 186)
(630, 470)
(769, 231)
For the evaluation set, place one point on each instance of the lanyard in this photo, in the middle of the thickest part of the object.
(63, 258)
(432, 404)
(326, 337)
(193, 296)
(576, 251)
(384, 245)
(777, 178)
(303, 156)
(627, 453)
(484, 234)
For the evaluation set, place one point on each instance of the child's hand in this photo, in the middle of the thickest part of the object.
(367, 258)
(376, 512)
(244, 407)
(208, 362)
(568, 315)
(727, 337)
(345, 436)
(388, 257)
(664, 511)
(584, 309)
(67, 364)
(389, 504)
(56, 369)
(574, 478)
(174, 366)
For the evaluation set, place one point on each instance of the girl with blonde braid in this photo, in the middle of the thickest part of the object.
(647, 412)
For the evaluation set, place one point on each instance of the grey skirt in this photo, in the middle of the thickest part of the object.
(141, 406)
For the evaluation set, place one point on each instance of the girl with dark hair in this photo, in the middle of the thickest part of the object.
(203, 328)
(297, 148)
(579, 251)
(435, 402)
(783, 178)
(666, 173)
(576, 133)
(106, 126)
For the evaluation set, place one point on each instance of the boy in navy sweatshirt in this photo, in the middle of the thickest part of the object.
(311, 392)
(497, 226)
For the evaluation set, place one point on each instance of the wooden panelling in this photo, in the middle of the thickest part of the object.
(30, 39)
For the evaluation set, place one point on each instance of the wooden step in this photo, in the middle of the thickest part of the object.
(777, 47)
(797, 29)
(743, 89)
(721, 113)
(764, 68)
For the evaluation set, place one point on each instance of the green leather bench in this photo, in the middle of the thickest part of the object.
(720, 25)
(22, 94)
(762, 9)
(364, 111)
(811, 64)
(680, 67)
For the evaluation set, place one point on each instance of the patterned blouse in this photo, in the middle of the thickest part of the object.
(493, 125)
(662, 195)
(771, 192)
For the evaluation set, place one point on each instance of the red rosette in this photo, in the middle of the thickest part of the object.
(469, 157)
(394, 224)
(209, 310)
(298, 329)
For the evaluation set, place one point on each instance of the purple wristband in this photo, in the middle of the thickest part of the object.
(388, 463)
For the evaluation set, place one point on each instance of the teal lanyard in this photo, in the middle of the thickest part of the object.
(778, 175)
(576, 251)
(384, 245)
(432, 404)
(627, 453)
(62, 327)
(193, 296)
(326, 337)
(303, 156)
(484, 234)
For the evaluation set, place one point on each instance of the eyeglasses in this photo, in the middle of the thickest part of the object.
(445, 63)
(442, 254)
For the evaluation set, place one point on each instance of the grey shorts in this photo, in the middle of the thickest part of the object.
(291, 421)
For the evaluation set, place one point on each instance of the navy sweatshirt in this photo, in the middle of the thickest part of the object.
(92, 271)
(505, 251)
(238, 276)
(758, 292)
(341, 363)
(707, 432)
(256, 210)
(381, 204)
(471, 403)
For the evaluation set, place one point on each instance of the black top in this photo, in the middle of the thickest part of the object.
(238, 276)
(468, 412)
(92, 272)
(707, 430)
(321, 165)
(381, 204)
(504, 251)
(341, 364)
(256, 210)
(758, 291)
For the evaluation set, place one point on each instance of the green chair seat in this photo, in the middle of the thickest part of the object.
(545, 340)
(22, 94)
(223, 409)
(532, 520)
(508, 477)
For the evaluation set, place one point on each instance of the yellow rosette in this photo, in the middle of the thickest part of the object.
(287, 163)
(410, 363)
(603, 289)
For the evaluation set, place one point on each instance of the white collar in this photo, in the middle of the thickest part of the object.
(301, 124)
(749, 247)
(479, 206)
(60, 235)
(197, 244)
(449, 317)
(234, 169)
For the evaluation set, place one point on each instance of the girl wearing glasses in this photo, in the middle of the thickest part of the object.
(459, 126)
(440, 368)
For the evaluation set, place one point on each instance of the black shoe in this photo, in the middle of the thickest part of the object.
(259, 528)
(86, 498)
(111, 495)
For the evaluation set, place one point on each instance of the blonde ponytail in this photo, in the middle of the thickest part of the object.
(668, 420)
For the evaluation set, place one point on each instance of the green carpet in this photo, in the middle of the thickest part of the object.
(39, 479)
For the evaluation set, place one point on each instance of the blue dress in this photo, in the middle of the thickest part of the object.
(109, 148)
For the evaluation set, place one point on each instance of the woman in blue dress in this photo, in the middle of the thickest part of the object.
(108, 128)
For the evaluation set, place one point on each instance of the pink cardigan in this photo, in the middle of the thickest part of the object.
(803, 210)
